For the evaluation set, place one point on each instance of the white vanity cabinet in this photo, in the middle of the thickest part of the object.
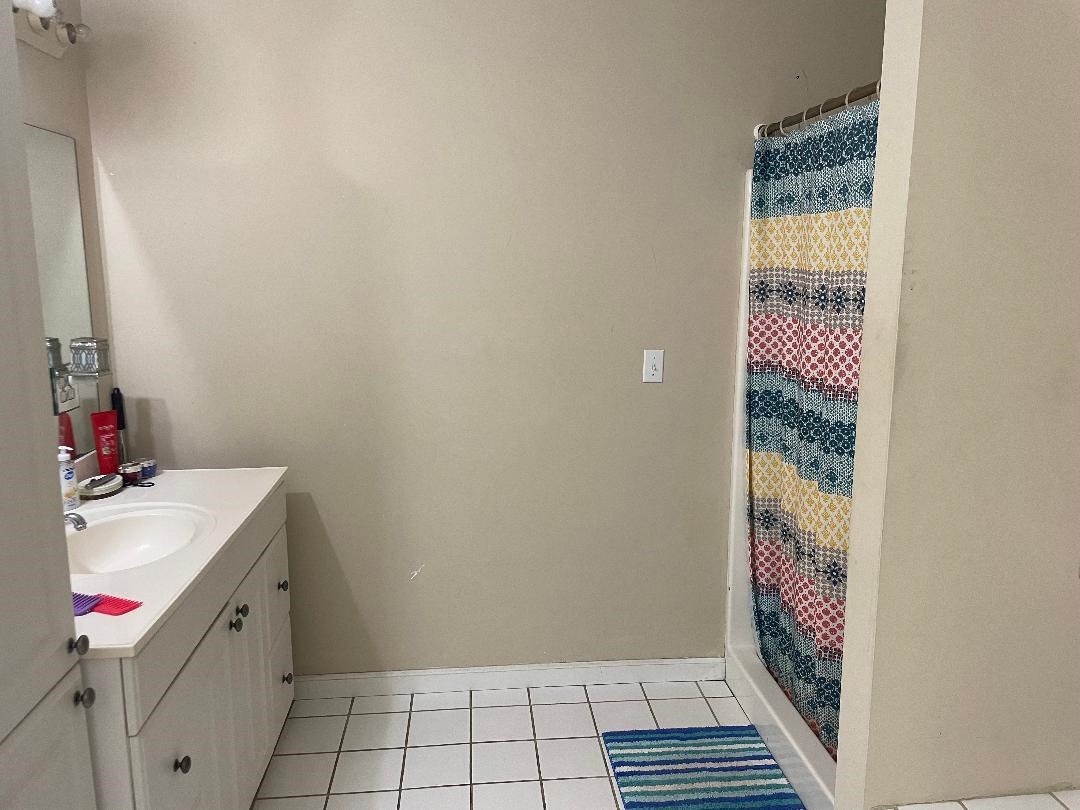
(278, 666)
(281, 679)
(181, 756)
(252, 623)
(248, 651)
(279, 672)
(44, 762)
(192, 718)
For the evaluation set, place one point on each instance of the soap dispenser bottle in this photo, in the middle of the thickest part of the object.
(69, 487)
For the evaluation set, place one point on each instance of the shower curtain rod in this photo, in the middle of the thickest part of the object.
(824, 108)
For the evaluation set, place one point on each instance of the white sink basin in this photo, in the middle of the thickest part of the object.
(117, 538)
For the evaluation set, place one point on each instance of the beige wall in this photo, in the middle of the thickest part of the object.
(413, 251)
(969, 685)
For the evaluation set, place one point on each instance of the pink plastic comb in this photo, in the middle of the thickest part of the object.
(114, 605)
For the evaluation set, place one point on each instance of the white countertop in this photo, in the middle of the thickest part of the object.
(232, 496)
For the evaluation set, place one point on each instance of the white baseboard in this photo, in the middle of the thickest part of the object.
(801, 756)
(453, 680)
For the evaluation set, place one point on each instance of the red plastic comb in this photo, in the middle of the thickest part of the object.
(114, 605)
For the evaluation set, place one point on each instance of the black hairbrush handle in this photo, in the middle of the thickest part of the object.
(118, 406)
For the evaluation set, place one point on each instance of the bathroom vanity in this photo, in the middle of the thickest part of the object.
(191, 688)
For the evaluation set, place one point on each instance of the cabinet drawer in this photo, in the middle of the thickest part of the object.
(281, 685)
(277, 582)
(45, 761)
(190, 729)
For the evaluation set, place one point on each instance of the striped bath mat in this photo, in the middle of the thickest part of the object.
(698, 769)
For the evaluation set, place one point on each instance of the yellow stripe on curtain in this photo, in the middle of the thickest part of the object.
(827, 516)
(831, 242)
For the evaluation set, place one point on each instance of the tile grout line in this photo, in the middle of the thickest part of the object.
(603, 750)
(337, 756)
(648, 702)
(441, 787)
(737, 703)
(405, 751)
(451, 745)
(536, 749)
(471, 783)
(709, 705)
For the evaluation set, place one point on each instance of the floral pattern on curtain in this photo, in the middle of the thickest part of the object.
(809, 229)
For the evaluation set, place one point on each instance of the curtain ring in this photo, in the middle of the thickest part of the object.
(781, 125)
(847, 98)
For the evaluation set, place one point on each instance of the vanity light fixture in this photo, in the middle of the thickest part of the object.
(44, 9)
(41, 24)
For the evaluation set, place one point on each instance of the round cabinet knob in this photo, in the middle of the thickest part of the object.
(287, 678)
(85, 698)
(80, 645)
(236, 624)
(183, 765)
(283, 585)
(243, 610)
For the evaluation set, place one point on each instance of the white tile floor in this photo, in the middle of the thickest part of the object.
(490, 749)
(1041, 801)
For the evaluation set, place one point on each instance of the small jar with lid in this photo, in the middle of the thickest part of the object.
(132, 473)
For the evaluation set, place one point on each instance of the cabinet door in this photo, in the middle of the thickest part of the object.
(277, 582)
(281, 683)
(45, 761)
(249, 650)
(183, 756)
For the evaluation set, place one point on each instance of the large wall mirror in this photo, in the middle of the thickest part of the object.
(61, 260)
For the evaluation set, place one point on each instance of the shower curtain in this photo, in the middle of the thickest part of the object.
(809, 227)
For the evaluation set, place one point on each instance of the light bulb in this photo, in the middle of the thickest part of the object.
(71, 33)
(40, 8)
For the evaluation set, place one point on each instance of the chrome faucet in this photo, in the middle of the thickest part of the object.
(76, 520)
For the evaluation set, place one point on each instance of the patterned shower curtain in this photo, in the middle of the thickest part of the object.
(810, 222)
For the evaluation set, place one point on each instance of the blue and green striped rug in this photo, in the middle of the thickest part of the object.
(698, 769)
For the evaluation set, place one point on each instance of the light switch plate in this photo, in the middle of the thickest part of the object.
(653, 369)
(65, 395)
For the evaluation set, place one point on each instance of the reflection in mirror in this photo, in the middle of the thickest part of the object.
(65, 297)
